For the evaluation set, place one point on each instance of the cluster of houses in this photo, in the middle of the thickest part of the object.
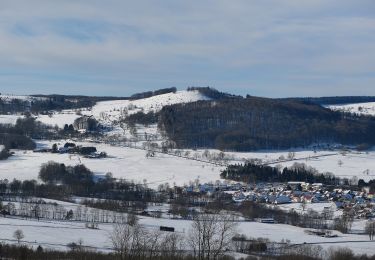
(361, 202)
(72, 148)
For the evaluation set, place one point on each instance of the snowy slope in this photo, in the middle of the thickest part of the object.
(108, 111)
(112, 110)
(361, 108)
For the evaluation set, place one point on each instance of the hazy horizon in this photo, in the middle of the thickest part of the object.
(117, 48)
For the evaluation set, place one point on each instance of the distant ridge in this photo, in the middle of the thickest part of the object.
(338, 100)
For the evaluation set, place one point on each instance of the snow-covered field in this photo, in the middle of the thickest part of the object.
(343, 164)
(59, 118)
(45, 233)
(122, 162)
(360, 108)
(9, 119)
(347, 165)
(132, 164)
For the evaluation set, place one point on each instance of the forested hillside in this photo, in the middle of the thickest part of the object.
(259, 123)
(334, 100)
(212, 93)
(42, 103)
(148, 94)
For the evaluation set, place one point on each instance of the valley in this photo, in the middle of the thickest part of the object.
(141, 154)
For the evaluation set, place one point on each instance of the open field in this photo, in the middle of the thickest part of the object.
(44, 232)
(122, 162)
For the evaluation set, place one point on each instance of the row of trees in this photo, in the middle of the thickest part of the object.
(39, 209)
(78, 181)
(213, 93)
(44, 103)
(19, 136)
(250, 172)
(148, 94)
(78, 252)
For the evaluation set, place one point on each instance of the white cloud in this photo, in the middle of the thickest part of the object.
(145, 44)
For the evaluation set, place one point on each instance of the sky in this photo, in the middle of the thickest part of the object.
(272, 48)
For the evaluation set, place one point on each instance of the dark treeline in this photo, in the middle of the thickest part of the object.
(80, 98)
(262, 173)
(370, 184)
(80, 252)
(38, 105)
(148, 94)
(250, 173)
(43, 103)
(22, 252)
(213, 93)
(62, 182)
(142, 118)
(19, 136)
(334, 100)
(259, 123)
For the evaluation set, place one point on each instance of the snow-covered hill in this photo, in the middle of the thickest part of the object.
(113, 110)
(360, 108)
(106, 112)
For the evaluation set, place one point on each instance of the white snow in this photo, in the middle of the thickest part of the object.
(359, 164)
(9, 119)
(109, 111)
(360, 108)
(59, 118)
(56, 118)
(62, 233)
(122, 162)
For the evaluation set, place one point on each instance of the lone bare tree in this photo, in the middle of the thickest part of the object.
(370, 229)
(18, 235)
(211, 235)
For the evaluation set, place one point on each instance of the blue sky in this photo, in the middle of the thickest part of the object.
(273, 48)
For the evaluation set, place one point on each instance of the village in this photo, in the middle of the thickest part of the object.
(359, 201)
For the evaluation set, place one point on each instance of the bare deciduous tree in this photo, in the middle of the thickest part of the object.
(211, 235)
(18, 235)
(135, 242)
(370, 229)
